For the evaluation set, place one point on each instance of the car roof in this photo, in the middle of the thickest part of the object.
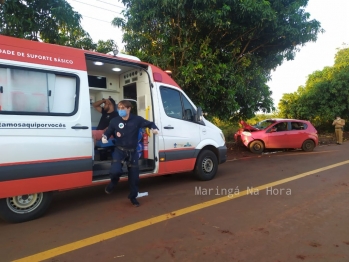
(285, 119)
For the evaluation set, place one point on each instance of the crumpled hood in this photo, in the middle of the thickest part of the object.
(247, 126)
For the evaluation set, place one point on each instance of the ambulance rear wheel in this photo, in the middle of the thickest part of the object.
(206, 165)
(24, 207)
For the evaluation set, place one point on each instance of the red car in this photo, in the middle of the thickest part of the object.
(278, 133)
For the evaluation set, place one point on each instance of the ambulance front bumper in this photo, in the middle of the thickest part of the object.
(222, 154)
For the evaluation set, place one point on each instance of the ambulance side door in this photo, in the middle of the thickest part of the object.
(45, 120)
(179, 132)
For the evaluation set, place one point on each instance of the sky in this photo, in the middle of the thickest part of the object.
(332, 14)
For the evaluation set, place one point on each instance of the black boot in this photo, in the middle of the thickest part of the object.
(134, 202)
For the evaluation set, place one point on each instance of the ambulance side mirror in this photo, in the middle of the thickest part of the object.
(199, 114)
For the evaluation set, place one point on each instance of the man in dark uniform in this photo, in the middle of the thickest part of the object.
(108, 113)
(125, 128)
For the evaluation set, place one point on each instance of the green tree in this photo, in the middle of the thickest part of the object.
(106, 46)
(325, 95)
(220, 51)
(51, 21)
(288, 105)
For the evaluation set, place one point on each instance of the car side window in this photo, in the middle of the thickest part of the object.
(298, 126)
(295, 126)
(282, 126)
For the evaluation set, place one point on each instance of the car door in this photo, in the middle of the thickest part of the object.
(278, 135)
(298, 134)
(179, 132)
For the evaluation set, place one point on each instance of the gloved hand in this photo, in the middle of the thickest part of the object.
(104, 139)
(155, 131)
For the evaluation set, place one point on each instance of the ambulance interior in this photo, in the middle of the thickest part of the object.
(117, 79)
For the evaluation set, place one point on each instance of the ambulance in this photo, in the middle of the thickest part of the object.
(47, 118)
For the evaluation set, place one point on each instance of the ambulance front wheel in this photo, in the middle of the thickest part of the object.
(25, 207)
(206, 165)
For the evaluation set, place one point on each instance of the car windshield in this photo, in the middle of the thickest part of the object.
(264, 124)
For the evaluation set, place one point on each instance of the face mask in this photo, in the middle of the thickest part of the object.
(122, 112)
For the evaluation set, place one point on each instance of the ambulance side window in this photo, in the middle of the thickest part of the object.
(34, 92)
(189, 110)
(176, 104)
(171, 101)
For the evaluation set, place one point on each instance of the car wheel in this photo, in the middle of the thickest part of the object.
(257, 147)
(24, 207)
(308, 145)
(206, 165)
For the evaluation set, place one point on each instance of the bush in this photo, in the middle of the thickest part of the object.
(228, 128)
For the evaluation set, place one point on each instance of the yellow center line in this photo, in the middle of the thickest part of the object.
(151, 221)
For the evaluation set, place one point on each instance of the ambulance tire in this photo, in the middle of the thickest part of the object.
(206, 165)
(24, 208)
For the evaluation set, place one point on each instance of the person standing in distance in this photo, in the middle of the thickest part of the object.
(338, 124)
(125, 128)
(108, 113)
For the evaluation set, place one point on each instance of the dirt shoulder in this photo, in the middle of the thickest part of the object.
(235, 151)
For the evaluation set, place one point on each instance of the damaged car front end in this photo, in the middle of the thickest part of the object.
(245, 134)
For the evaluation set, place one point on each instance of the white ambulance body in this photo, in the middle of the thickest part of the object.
(46, 118)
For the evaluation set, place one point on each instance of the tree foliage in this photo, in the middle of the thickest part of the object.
(51, 21)
(325, 95)
(220, 51)
(105, 46)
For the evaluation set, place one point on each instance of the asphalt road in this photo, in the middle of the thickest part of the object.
(288, 206)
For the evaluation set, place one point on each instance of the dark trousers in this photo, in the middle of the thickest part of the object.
(131, 159)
